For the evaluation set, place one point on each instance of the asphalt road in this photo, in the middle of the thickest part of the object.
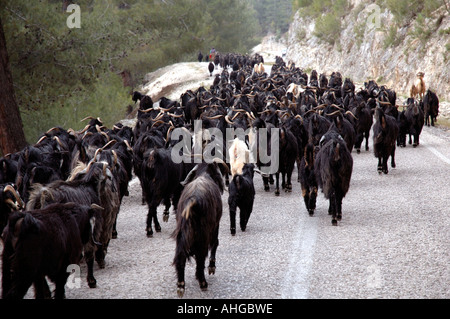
(393, 240)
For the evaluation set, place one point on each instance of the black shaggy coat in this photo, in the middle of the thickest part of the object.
(161, 179)
(385, 132)
(241, 195)
(308, 180)
(430, 107)
(198, 216)
(333, 167)
(43, 243)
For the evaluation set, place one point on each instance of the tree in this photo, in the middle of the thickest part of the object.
(12, 137)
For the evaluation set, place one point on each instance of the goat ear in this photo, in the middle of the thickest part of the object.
(190, 176)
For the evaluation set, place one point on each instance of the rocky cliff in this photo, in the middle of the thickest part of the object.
(366, 48)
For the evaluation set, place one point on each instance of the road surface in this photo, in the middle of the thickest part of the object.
(393, 240)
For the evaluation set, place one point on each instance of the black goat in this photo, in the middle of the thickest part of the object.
(90, 184)
(288, 152)
(198, 216)
(211, 68)
(308, 179)
(161, 178)
(415, 118)
(10, 201)
(241, 195)
(8, 168)
(333, 166)
(385, 132)
(430, 107)
(43, 243)
(363, 125)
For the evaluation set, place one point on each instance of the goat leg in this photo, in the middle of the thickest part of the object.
(180, 265)
(277, 185)
(233, 221)
(200, 269)
(312, 201)
(212, 257)
(166, 210)
(89, 257)
(266, 183)
(380, 165)
(41, 289)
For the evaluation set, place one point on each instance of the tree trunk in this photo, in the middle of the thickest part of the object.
(12, 137)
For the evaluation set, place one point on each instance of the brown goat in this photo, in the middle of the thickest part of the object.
(418, 88)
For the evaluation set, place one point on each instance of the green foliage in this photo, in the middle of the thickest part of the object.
(62, 75)
(405, 10)
(327, 14)
(328, 28)
(421, 31)
(392, 39)
(273, 16)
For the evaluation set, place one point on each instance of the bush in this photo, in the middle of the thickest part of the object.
(328, 28)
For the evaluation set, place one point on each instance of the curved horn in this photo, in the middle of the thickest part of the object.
(228, 120)
(115, 157)
(9, 188)
(235, 115)
(87, 118)
(58, 140)
(157, 122)
(383, 102)
(146, 110)
(215, 117)
(166, 110)
(334, 113)
(351, 114)
(97, 152)
(41, 139)
(112, 142)
(174, 115)
(84, 130)
(128, 145)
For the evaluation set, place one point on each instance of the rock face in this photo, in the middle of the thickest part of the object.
(362, 53)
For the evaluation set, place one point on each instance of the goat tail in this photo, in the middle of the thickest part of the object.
(188, 208)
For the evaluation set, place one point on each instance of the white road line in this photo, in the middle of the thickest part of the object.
(441, 156)
(296, 283)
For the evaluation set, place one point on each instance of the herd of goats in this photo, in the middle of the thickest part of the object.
(60, 197)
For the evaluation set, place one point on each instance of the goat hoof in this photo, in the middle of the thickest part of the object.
(358, 150)
(101, 264)
(149, 233)
(334, 222)
(277, 192)
(311, 212)
(166, 217)
(180, 289)
(211, 270)
(204, 286)
(339, 217)
(114, 234)
(233, 231)
(92, 283)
